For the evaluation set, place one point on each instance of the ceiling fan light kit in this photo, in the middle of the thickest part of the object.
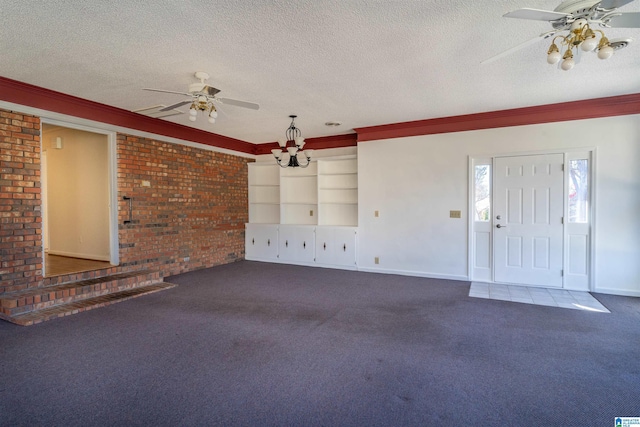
(578, 17)
(293, 144)
(203, 99)
(580, 36)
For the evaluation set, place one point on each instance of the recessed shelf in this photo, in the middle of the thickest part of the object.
(325, 193)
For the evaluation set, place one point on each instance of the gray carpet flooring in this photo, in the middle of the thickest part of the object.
(255, 344)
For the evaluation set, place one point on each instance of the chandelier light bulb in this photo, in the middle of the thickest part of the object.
(554, 57)
(589, 44)
(553, 54)
(193, 112)
(605, 52)
(213, 114)
(567, 64)
(211, 120)
(192, 118)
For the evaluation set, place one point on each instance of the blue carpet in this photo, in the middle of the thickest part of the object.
(255, 344)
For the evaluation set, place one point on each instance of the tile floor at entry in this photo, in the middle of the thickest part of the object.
(539, 296)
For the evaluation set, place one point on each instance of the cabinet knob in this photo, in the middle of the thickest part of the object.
(286, 243)
(253, 241)
(324, 246)
(268, 242)
(344, 247)
(304, 245)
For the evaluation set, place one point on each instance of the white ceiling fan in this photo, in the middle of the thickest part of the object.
(579, 18)
(202, 97)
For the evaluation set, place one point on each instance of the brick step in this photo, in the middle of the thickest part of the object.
(15, 303)
(61, 310)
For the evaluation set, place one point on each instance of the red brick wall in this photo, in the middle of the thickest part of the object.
(20, 219)
(190, 216)
(195, 207)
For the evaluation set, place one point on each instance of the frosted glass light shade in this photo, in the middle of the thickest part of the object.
(308, 153)
(213, 114)
(605, 52)
(193, 112)
(299, 141)
(292, 150)
(276, 152)
(553, 57)
(282, 142)
(211, 120)
(567, 64)
(589, 44)
(192, 118)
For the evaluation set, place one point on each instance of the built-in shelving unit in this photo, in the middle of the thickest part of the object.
(338, 192)
(264, 193)
(299, 195)
(306, 215)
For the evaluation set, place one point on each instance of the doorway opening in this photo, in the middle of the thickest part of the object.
(531, 219)
(78, 205)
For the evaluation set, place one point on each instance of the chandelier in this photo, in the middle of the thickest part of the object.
(203, 103)
(293, 145)
(580, 36)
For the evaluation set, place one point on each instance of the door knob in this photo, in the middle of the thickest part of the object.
(501, 226)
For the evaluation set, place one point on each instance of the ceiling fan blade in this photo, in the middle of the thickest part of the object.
(237, 103)
(625, 20)
(210, 90)
(613, 4)
(176, 105)
(536, 14)
(167, 91)
(520, 46)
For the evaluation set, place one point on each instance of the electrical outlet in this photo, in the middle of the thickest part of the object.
(376, 260)
(455, 214)
(187, 259)
(146, 184)
(311, 213)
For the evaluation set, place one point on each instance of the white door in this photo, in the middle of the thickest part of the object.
(527, 219)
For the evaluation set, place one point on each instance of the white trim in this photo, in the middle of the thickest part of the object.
(114, 243)
(568, 154)
(592, 254)
(80, 255)
(613, 291)
(471, 235)
(114, 246)
(415, 274)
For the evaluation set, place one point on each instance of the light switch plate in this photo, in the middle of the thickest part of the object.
(455, 214)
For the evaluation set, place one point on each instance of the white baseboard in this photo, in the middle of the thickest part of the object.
(415, 274)
(620, 292)
(79, 255)
(304, 264)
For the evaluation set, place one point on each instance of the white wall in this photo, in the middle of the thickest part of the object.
(414, 182)
(77, 193)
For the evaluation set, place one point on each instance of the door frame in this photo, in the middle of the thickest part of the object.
(114, 252)
(475, 246)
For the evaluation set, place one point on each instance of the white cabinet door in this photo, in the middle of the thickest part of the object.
(296, 244)
(261, 242)
(336, 246)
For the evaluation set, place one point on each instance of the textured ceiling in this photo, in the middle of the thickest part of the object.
(363, 63)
